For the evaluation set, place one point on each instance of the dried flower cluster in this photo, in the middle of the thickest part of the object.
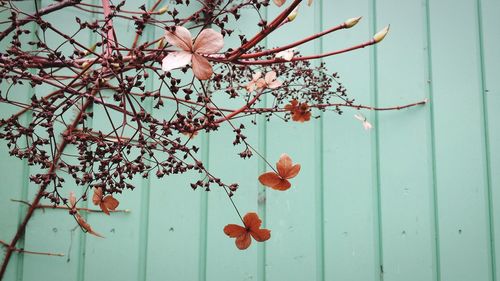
(98, 99)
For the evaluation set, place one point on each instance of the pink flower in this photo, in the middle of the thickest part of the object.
(367, 125)
(286, 55)
(269, 81)
(252, 85)
(208, 41)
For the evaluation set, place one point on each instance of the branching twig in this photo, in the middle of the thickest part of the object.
(7, 245)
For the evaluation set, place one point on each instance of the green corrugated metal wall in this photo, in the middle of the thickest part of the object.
(415, 199)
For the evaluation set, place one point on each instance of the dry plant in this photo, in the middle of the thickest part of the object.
(175, 74)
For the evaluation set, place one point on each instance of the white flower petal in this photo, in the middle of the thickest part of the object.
(270, 77)
(176, 60)
(367, 125)
(286, 54)
(261, 83)
(251, 86)
(360, 117)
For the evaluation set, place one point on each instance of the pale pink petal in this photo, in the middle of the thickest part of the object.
(261, 83)
(180, 38)
(284, 164)
(367, 125)
(359, 117)
(201, 67)
(270, 77)
(208, 42)
(176, 60)
(286, 55)
(72, 199)
(250, 86)
(279, 3)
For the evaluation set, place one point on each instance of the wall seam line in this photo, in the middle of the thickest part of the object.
(376, 150)
(485, 124)
(145, 197)
(25, 187)
(318, 132)
(82, 241)
(202, 261)
(261, 190)
(430, 92)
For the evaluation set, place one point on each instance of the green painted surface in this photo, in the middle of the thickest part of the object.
(414, 199)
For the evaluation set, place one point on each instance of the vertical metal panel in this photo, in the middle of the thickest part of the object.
(224, 261)
(176, 217)
(13, 187)
(291, 253)
(319, 166)
(123, 232)
(350, 243)
(459, 141)
(490, 62)
(405, 174)
(50, 230)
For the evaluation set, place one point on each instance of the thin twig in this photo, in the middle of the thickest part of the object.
(41, 206)
(5, 244)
